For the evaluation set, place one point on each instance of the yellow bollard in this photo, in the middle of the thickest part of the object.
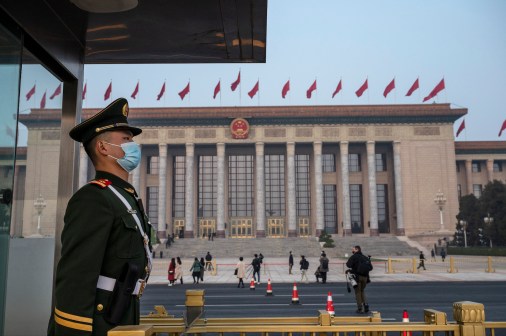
(452, 269)
(489, 266)
(214, 269)
(390, 270)
(414, 270)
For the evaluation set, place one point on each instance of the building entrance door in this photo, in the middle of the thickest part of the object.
(207, 227)
(241, 228)
(304, 229)
(276, 228)
(178, 228)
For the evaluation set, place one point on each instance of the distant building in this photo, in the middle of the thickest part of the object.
(286, 171)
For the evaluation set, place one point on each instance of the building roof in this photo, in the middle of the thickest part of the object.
(270, 115)
(480, 147)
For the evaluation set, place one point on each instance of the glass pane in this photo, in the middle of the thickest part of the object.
(10, 48)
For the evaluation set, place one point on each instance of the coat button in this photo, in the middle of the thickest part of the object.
(100, 307)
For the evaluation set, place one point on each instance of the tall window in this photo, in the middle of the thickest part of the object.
(476, 167)
(330, 208)
(459, 191)
(328, 163)
(382, 196)
(302, 185)
(356, 208)
(477, 189)
(240, 185)
(152, 207)
(381, 162)
(354, 162)
(497, 166)
(207, 186)
(179, 183)
(275, 185)
(153, 165)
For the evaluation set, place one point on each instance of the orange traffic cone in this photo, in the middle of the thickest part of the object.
(295, 294)
(405, 318)
(330, 304)
(252, 284)
(269, 288)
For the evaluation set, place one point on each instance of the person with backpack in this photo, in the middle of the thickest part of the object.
(324, 267)
(304, 265)
(360, 265)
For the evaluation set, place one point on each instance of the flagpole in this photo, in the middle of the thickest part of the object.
(189, 93)
(220, 91)
(240, 88)
(395, 93)
(258, 98)
(368, 100)
(419, 90)
(316, 81)
(164, 95)
(289, 95)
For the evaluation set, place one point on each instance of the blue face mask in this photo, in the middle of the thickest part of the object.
(132, 155)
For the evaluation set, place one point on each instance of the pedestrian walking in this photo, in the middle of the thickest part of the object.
(432, 255)
(443, 254)
(304, 265)
(359, 266)
(422, 261)
(202, 268)
(195, 269)
(172, 271)
(255, 263)
(324, 267)
(240, 271)
(209, 259)
(179, 270)
(290, 263)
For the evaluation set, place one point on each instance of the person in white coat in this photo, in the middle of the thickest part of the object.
(241, 272)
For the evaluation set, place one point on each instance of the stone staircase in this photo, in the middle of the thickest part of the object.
(272, 247)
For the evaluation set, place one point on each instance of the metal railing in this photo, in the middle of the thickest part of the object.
(469, 321)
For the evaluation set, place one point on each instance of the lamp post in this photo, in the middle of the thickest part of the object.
(39, 205)
(464, 228)
(440, 201)
(489, 220)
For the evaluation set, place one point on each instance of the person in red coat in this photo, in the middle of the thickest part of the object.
(172, 271)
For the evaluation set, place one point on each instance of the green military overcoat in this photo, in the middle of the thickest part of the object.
(98, 238)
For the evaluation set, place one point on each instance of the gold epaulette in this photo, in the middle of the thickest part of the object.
(102, 183)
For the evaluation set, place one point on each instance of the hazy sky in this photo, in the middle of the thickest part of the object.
(462, 41)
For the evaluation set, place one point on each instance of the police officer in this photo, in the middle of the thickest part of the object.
(106, 255)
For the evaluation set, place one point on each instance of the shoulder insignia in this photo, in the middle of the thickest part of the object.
(130, 190)
(102, 183)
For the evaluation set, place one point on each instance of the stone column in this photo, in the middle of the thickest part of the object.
(189, 195)
(398, 188)
(291, 213)
(220, 202)
(345, 181)
(490, 170)
(162, 190)
(373, 201)
(469, 176)
(318, 180)
(260, 189)
(83, 167)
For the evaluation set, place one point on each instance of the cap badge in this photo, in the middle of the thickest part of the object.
(125, 110)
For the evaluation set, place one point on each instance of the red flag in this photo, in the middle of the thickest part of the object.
(217, 89)
(30, 93)
(286, 88)
(84, 91)
(413, 88)
(107, 93)
(254, 91)
(309, 91)
(43, 101)
(136, 91)
(56, 92)
(162, 91)
(234, 85)
(389, 88)
(338, 88)
(440, 87)
(185, 91)
(503, 127)
(461, 127)
(362, 89)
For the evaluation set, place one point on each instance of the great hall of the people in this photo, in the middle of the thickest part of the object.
(280, 171)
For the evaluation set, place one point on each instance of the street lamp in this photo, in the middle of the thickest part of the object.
(39, 205)
(463, 223)
(489, 220)
(440, 201)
